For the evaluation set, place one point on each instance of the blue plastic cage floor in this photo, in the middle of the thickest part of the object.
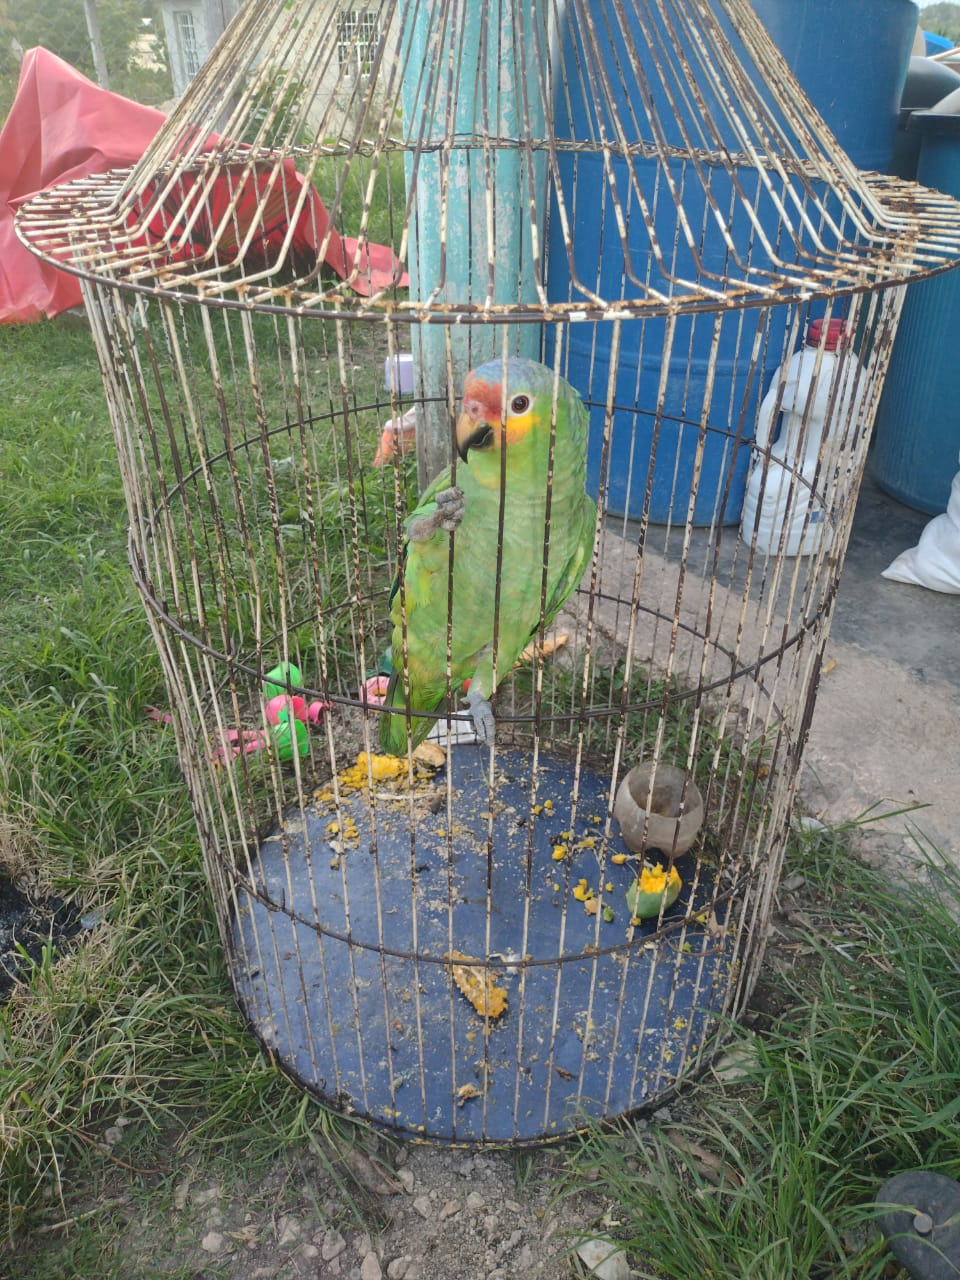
(340, 960)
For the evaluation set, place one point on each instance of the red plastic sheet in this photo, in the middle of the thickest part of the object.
(62, 126)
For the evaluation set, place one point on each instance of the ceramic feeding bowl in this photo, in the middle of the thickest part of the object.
(665, 828)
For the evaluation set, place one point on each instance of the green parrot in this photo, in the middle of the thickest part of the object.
(504, 436)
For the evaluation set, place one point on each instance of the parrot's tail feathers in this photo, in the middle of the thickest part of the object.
(393, 735)
(393, 728)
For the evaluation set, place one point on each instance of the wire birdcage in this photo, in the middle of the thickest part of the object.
(492, 940)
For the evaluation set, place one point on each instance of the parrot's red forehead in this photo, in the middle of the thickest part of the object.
(489, 394)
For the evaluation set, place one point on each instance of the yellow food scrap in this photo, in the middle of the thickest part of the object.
(559, 852)
(618, 859)
(379, 768)
(478, 985)
(548, 806)
(582, 891)
(654, 886)
(655, 879)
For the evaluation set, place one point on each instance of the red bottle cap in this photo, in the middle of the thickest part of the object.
(831, 337)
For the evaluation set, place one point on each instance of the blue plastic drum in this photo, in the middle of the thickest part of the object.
(851, 57)
(678, 445)
(917, 440)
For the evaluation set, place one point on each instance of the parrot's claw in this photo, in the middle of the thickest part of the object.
(450, 507)
(482, 713)
(447, 516)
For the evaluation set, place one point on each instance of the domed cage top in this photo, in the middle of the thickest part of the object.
(629, 218)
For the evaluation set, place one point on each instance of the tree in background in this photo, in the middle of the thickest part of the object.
(61, 27)
(942, 20)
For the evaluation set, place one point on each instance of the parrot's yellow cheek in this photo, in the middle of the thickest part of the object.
(517, 427)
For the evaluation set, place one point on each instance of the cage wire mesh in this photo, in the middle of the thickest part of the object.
(464, 940)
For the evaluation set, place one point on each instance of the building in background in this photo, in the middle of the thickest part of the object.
(192, 28)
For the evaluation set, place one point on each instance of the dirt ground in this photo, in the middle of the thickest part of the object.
(428, 1214)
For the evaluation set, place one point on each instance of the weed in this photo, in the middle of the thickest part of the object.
(856, 1079)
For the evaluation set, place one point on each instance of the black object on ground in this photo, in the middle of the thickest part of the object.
(923, 1230)
(26, 926)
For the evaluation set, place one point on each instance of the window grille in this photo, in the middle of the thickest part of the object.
(359, 32)
(187, 40)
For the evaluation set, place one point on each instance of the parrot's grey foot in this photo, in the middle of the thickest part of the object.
(450, 506)
(447, 516)
(482, 713)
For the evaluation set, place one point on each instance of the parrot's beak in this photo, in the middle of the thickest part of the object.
(473, 432)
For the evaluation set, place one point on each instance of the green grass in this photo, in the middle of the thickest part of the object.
(370, 204)
(139, 1019)
(854, 1080)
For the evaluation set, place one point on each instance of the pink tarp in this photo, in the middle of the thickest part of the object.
(62, 126)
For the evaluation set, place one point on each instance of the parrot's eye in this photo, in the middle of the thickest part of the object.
(520, 404)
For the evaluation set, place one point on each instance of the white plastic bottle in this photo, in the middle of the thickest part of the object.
(793, 479)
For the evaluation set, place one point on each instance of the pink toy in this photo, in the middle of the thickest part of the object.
(276, 706)
(375, 690)
(241, 742)
(398, 436)
(287, 715)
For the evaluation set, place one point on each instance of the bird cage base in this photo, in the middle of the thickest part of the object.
(600, 1018)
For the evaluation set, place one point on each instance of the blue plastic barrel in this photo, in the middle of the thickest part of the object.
(851, 57)
(679, 444)
(917, 434)
(934, 44)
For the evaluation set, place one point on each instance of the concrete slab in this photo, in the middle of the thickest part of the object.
(886, 731)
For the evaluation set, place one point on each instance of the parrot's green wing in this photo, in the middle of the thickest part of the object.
(424, 568)
(581, 549)
(426, 506)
